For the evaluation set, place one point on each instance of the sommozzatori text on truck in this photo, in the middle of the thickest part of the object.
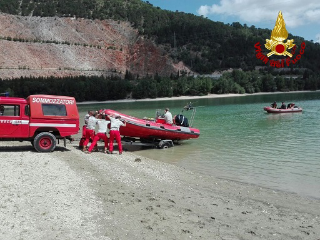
(40, 119)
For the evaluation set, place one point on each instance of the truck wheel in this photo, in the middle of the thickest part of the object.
(45, 142)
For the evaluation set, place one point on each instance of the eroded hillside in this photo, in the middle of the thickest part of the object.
(35, 46)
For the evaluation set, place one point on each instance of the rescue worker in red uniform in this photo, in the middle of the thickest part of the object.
(90, 129)
(84, 128)
(102, 130)
(116, 123)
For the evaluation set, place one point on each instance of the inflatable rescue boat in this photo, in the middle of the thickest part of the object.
(153, 129)
(278, 110)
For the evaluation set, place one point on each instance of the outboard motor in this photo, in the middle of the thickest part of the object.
(181, 120)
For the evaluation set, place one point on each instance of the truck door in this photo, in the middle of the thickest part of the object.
(11, 121)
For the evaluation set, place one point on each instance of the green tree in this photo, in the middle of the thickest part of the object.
(268, 83)
(280, 83)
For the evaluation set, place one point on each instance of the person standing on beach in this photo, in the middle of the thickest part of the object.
(102, 133)
(90, 129)
(86, 117)
(116, 123)
(84, 128)
(168, 116)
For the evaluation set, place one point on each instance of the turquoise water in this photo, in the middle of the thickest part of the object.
(239, 141)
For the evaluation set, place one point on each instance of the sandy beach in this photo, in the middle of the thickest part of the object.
(190, 97)
(68, 194)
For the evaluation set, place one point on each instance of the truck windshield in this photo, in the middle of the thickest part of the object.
(54, 110)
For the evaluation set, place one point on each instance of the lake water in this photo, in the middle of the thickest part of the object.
(241, 142)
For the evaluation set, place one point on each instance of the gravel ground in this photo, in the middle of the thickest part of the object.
(68, 194)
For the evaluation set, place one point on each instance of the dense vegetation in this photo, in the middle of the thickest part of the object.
(202, 44)
(113, 88)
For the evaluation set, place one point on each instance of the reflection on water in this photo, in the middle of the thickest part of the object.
(276, 117)
(242, 142)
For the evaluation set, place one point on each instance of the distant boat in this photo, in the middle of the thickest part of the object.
(278, 110)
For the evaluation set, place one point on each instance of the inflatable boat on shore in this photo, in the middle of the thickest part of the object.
(153, 129)
(278, 110)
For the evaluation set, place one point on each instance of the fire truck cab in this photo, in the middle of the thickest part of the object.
(40, 119)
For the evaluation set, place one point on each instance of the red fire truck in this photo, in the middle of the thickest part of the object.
(40, 119)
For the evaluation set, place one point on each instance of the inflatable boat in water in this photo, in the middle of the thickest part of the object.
(278, 110)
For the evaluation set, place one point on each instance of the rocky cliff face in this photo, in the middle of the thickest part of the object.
(35, 46)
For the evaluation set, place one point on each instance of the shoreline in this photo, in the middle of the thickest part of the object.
(190, 97)
(72, 195)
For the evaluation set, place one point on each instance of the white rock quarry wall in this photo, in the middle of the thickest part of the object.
(35, 46)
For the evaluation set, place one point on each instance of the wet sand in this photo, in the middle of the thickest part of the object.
(68, 194)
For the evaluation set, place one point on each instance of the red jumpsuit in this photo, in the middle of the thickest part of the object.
(84, 129)
(89, 135)
(90, 130)
(115, 133)
(96, 138)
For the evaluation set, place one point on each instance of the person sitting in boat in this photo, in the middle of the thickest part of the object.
(283, 106)
(168, 116)
(290, 105)
(274, 104)
(188, 106)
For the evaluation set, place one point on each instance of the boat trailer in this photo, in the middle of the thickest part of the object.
(156, 143)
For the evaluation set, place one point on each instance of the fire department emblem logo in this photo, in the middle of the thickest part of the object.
(278, 35)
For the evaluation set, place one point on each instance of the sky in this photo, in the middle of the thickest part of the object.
(302, 17)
